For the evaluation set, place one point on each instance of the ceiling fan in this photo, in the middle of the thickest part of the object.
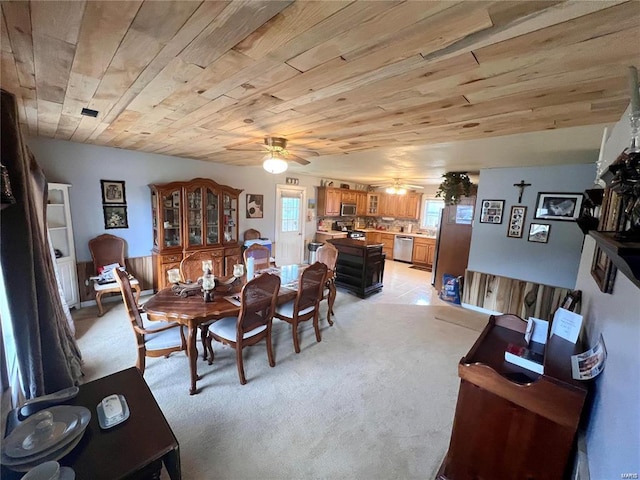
(397, 187)
(277, 154)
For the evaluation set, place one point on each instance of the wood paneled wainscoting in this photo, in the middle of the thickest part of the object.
(139, 267)
(509, 295)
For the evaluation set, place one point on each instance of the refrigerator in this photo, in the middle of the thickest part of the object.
(453, 241)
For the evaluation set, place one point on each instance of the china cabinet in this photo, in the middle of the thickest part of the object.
(61, 234)
(197, 215)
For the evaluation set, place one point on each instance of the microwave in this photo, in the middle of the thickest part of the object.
(348, 210)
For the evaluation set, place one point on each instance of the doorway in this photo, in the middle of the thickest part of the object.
(290, 224)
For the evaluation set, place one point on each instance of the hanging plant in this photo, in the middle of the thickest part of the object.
(454, 186)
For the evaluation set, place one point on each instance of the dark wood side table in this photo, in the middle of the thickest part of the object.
(511, 423)
(135, 449)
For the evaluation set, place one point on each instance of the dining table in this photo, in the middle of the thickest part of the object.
(192, 311)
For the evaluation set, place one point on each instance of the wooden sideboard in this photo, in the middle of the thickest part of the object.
(511, 423)
(197, 215)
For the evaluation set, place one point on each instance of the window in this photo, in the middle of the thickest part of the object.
(290, 214)
(431, 213)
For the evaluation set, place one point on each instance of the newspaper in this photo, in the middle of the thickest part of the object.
(589, 364)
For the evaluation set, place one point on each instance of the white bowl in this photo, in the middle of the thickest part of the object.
(44, 471)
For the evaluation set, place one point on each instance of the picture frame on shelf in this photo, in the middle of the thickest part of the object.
(255, 205)
(517, 217)
(558, 206)
(113, 192)
(115, 216)
(603, 270)
(492, 211)
(539, 232)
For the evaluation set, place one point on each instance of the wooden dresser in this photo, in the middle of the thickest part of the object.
(511, 423)
(198, 215)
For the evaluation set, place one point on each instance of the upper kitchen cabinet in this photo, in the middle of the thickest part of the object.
(373, 202)
(329, 200)
(196, 215)
(361, 204)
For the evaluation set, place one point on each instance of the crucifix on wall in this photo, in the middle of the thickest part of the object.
(521, 186)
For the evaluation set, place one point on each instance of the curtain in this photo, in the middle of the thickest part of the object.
(48, 356)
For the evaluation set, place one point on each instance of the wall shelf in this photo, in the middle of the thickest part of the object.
(624, 255)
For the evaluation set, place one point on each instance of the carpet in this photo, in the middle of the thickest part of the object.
(418, 267)
(374, 400)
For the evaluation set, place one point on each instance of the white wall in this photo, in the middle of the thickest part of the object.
(83, 166)
(613, 429)
(553, 263)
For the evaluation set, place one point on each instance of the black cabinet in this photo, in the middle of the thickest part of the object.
(360, 266)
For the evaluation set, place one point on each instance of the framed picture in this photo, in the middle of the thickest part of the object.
(254, 205)
(516, 221)
(558, 206)
(539, 232)
(603, 270)
(491, 211)
(115, 216)
(113, 192)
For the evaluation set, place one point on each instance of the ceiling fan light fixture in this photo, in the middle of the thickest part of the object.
(391, 190)
(274, 163)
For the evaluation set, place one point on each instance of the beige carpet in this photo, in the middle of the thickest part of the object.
(374, 400)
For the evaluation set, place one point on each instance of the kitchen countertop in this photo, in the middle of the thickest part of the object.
(331, 232)
(404, 234)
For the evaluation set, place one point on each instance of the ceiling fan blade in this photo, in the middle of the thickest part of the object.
(406, 185)
(304, 151)
(297, 159)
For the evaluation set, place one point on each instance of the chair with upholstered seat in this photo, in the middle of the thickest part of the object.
(261, 256)
(157, 339)
(107, 250)
(328, 254)
(192, 265)
(306, 304)
(253, 323)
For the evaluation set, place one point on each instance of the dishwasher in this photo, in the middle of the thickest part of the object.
(403, 248)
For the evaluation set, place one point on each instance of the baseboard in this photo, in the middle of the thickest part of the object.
(114, 298)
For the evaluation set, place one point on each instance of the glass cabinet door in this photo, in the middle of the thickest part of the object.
(154, 217)
(229, 215)
(194, 217)
(171, 219)
(212, 217)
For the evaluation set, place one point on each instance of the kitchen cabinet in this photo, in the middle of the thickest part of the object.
(361, 204)
(387, 240)
(411, 206)
(373, 200)
(60, 231)
(329, 200)
(348, 196)
(373, 237)
(197, 215)
(423, 251)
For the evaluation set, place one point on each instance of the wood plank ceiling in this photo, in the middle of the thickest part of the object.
(204, 79)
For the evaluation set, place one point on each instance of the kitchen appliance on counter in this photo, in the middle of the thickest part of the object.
(349, 229)
(403, 248)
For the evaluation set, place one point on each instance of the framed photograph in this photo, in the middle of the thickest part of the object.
(603, 270)
(558, 206)
(539, 232)
(516, 221)
(491, 211)
(113, 192)
(115, 216)
(254, 205)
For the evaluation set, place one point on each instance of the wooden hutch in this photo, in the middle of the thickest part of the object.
(197, 215)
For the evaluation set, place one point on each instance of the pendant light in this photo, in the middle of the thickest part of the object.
(274, 163)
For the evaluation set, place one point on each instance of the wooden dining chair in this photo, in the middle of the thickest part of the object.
(253, 323)
(158, 338)
(328, 254)
(305, 305)
(251, 234)
(106, 250)
(261, 256)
